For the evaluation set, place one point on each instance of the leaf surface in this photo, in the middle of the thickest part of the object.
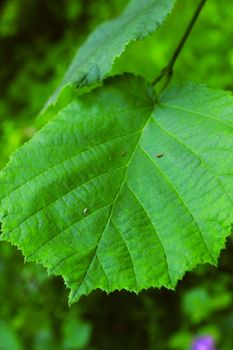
(120, 191)
(94, 60)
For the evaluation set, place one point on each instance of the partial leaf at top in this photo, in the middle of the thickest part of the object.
(121, 191)
(94, 60)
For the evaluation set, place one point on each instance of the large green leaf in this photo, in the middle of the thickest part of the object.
(122, 191)
(94, 60)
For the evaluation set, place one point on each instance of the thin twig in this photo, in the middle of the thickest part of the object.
(168, 70)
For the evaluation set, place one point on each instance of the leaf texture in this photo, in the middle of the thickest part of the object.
(94, 60)
(121, 191)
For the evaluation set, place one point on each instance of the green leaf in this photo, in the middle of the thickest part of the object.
(120, 191)
(94, 60)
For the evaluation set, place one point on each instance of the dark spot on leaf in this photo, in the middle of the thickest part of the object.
(123, 154)
(159, 155)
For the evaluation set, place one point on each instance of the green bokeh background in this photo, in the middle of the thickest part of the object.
(38, 39)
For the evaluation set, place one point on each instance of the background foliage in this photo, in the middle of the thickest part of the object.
(37, 41)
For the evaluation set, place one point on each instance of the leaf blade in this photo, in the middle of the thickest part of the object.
(95, 59)
(98, 206)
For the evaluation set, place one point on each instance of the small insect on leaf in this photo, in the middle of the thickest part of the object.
(159, 155)
(85, 211)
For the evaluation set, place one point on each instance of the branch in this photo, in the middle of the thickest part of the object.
(168, 70)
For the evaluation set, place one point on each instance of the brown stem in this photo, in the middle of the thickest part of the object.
(168, 70)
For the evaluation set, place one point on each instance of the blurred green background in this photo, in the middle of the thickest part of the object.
(37, 41)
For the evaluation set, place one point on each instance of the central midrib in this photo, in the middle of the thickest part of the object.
(116, 198)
